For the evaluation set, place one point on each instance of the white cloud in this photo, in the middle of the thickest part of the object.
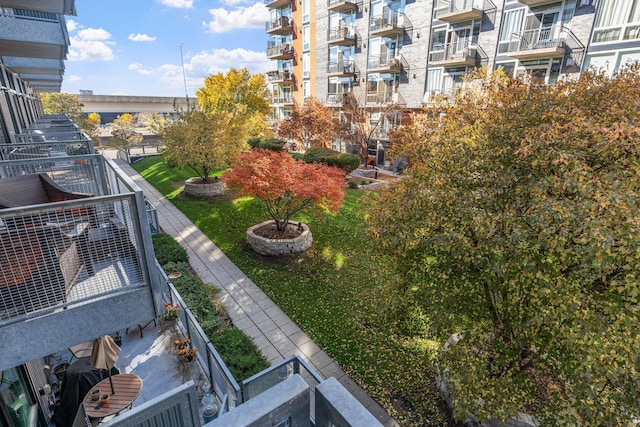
(240, 18)
(233, 2)
(95, 34)
(136, 66)
(178, 4)
(91, 44)
(72, 78)
(71, 25)
(210, 62)
(141, 37)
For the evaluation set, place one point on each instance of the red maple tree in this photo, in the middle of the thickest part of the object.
(285, 185)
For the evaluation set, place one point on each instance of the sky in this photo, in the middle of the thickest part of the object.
(134, 47)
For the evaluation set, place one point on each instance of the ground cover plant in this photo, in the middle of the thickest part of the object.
(336, 293)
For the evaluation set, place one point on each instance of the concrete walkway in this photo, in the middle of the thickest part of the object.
(275, 334)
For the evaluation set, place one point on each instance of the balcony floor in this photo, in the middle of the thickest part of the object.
(149, 355)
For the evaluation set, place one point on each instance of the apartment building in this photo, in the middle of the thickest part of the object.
(403, 52)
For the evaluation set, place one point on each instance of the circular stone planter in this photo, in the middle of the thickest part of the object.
(279, 247)
(195, 187)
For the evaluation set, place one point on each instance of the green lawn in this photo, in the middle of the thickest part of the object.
(336, 293)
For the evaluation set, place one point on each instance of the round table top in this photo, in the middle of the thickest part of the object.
(127, 388)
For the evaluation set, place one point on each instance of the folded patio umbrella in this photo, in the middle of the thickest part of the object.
(104, 355)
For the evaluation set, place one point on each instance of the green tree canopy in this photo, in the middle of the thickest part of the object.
(124, 131)
(224, 91)
(519, 227)
(65, 103)
(203, 141)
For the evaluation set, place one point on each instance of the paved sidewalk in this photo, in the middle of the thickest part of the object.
(275, 334)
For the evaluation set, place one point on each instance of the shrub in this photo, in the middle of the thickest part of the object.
(344, 161)
(167, 249)
(239, 353)
(297, 156)
(273, 144)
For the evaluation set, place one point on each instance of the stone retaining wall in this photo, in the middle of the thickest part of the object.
(279, 247)
(199, 189)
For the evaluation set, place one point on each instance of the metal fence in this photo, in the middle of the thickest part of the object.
(279, 372)
(31, 148)
(219, 376)
(69, 234)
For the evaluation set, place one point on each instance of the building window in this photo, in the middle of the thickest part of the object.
(305, 11)
(306, 62)
(617, 19)
(511, 23)
(306, 86)
(306, 37)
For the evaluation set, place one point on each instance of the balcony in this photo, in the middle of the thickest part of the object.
(384, 97)
(342, 36)
(384, 64)
(387, 24)
(335, 99)
(532, 3)
(453, 11)
(276, 4)
(341, 69)
(279, 26)
(539, 43)
(453, 55)
(60, 7)
(284, 76)
(75, 234)
(26, 33)
(341, 6)
(285, 100)
(279, 51)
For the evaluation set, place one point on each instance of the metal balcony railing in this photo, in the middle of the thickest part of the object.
(462, 51)
(282, 100)
(219, 376)
(345, 68)
(278, 373)
(385, 97)
(335, 98)
(50, 149)
(387, 23)
(281, 24)
(278, 51)
(280, 76)
(539, 38)
(452, 6)
(385, 63)
(345, 34)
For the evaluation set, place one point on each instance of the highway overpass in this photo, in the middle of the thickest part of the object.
(111, 106)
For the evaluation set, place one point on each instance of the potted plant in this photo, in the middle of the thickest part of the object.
(182, 346)
(78, 150)
(171, 312)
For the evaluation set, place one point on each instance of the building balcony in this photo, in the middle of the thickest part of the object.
(384, 64)
(540, 43)
(453, 55)
(279, 26)
(276, 4)
(532, 3)
(335, 98)
(453, 11)
(342, 36)
(26, 33)
(282, 101)
(384, 97)
(341, 6)
(387, 24)
(341, 69)
(76, 245)
(284, 76)
(60, 7)
(280, 51)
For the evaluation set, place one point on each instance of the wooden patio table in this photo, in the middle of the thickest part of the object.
(127, 388)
